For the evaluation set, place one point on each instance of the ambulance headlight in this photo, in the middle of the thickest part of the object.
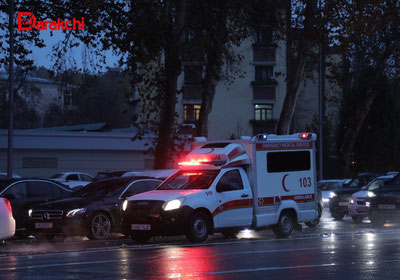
(173, 204)
(332, 195)
(371, 194)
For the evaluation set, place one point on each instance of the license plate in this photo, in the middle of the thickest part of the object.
(140, 227)
(43, 225)
(342, 203)
(386, 206)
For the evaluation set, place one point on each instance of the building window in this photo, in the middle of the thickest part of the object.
(191, 112)
(264, 73)
(263, 112)
(193, 74)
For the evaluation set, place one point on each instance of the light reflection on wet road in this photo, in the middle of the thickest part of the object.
(336, 250)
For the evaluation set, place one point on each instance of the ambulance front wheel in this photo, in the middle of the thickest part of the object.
(199, 227)
(285, 225)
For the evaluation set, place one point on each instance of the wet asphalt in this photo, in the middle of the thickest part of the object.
(332, 250)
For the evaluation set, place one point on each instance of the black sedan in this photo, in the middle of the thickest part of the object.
(385, 205)
(93, 211)
(27, 193)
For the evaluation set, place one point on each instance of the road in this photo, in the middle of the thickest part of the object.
(333, 250)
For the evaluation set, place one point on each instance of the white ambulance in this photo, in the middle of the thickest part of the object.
(268, 181)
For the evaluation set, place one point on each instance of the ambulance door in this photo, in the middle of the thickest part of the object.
(233, 200)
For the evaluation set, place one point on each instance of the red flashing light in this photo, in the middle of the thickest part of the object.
(305, 135)
(192, 174)
(8, 204)
(193, 162)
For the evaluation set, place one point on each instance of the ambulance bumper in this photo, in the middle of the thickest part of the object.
(160, 222)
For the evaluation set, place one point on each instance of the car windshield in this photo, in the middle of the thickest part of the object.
(106, 188)
(360, 181)
(189, 180)
(375, 184)
(59, 175)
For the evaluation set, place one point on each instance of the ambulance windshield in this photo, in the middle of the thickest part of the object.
(189, 180)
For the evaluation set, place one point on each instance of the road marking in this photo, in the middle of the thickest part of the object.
(146, 259)
(269, 268)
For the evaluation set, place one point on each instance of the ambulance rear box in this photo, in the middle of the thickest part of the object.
(268, 181)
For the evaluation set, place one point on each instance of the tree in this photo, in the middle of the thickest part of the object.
(218, 28)
(367, 34)
(301, 38)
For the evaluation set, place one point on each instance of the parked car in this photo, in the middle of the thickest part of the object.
(359, 202)
(27, 193)
(326, 186)
(93, 211)
(109, 174)
(7, 222)
(161, 174)
(73, 179)
(385, 205)
(339, 198)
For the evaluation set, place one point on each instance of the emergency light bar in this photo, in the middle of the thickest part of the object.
(204, 159)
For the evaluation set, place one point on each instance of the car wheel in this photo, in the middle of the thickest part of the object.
(337, 215)
(230, 233)
(357, 219)
(100, 227)
(199, 227)
(285, 225)
(141, 237)
(376, 220)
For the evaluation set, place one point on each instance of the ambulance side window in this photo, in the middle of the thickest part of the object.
(230, 181)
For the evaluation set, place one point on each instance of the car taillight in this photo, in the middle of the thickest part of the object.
(8, 204)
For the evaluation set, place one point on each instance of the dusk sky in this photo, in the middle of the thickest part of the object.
(42, 56)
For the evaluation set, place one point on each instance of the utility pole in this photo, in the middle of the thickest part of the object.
(321, 93)
(11, 93)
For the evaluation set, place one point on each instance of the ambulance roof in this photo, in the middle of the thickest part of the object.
(215, 156)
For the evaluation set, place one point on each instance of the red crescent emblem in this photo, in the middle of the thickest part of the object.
(283, 183)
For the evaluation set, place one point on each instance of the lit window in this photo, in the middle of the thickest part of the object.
(263, 112)
(191, 112)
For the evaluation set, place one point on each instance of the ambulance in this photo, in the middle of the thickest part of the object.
(268, 181)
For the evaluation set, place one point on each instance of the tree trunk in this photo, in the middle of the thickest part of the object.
(213, 68)
(166, 125)
(295, 66)
(351, 134)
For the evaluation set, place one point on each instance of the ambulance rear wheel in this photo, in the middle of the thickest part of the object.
(285, 225)
(199, 227)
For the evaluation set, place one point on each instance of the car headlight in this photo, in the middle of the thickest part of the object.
(124, 205)
(367, 203)
(76, 212)
(30, 212)
(351, 201)
(332, 195)
(173, 204)
(371, 194)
